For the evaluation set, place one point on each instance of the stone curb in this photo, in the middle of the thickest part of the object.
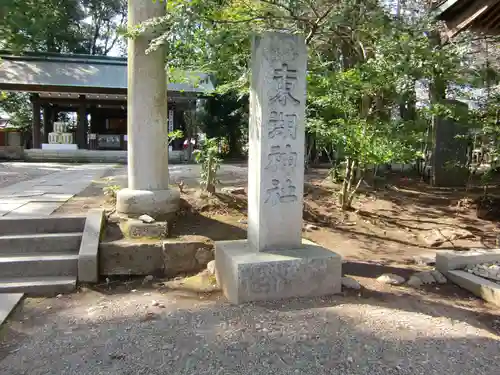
(452, 260)
(487, 290)
(88, 268)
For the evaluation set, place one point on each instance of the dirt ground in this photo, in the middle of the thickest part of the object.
(388, 224)
(383, 234)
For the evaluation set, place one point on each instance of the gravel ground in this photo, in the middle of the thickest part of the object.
(90, 333)
(14, 172)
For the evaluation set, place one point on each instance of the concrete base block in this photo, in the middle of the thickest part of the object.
(139, 202)
(486, 289)
(246, 275)
(452, 260)
(134, 228)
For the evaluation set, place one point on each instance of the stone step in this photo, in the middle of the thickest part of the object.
(19, 244)
(38, 286)
(39, 265)
(52, 224)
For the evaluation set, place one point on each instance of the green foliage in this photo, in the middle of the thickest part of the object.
(111, 191)
(363, 66)
(226, 116)
(17, 105)
(172, 136)
(208, 157)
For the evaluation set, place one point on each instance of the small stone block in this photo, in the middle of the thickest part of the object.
(486, 289)
(88, 268)
(452, 260)
(246, 275)
(134, 228)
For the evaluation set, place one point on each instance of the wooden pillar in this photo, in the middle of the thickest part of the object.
(35, 129)
(54, 115)
(47, 122)
(81, 126)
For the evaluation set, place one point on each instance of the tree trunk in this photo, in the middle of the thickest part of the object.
(353, 192)
(345, 184)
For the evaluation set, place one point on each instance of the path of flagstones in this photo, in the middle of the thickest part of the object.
(40, 188)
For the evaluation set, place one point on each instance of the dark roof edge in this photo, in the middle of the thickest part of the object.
(443, 7)
(59, 57)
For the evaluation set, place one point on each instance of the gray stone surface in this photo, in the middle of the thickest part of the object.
(39, 265)
(414, 281)
(276, 141)
(451, 260)
(139, 202)
(43, 194)
(486, 289)
(148, 180)
(38, 286)
(8, 301)
(439, 277)
(350, 283)
(186, 255)
(88, 267)
(52, 224)
(129, 257)
(426, 277)
(134, 228)
(40, 243)
(233, 190)
(248, 275)
(490, 270)
(35, 209)
(390, 278)
(274, 263)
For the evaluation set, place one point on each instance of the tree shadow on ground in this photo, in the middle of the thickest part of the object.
(192, 222)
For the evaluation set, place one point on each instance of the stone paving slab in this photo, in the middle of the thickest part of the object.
(35, 209)
(36, 198)
(6, 206)
(43, 195)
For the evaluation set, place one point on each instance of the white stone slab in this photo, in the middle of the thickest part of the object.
(59, 146)
(35, 209)
(7, 303)
(276, 140)
(6, 207)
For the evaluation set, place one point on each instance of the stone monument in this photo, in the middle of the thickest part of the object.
(274, 262)
(148, 189)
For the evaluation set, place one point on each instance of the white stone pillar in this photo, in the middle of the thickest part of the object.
(147, 122)
(276, 141)
(275, 262)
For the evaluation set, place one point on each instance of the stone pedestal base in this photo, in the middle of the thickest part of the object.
(154, 203)
(246, 275)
